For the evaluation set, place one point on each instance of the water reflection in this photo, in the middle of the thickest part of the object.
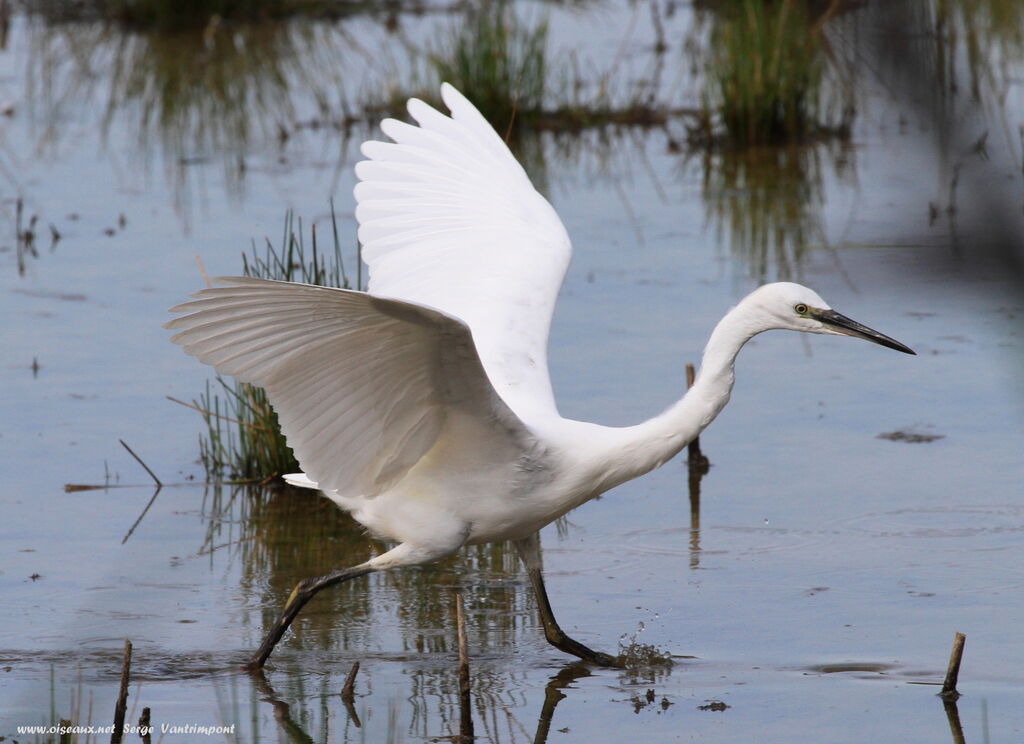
(956, 65)
(697, 469)
(968, 51)
(283, 535)
(956, 729)
(295, 726)
(279, 536)
(232, 93)
(292, 729)
(765, 203)
(191, 97)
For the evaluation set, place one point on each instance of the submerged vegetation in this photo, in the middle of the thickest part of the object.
(243, 440)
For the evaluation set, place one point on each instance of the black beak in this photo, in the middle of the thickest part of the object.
(848, 327)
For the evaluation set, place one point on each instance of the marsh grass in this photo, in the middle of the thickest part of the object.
(499, 62)
(766, 76)
(80, 715)
(243, 440)
(502, 62)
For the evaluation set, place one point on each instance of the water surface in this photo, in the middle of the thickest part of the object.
(818, 588)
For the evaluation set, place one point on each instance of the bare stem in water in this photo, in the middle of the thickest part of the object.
(465, 711)
(953, 671)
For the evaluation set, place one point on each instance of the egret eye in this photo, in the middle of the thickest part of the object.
(801, 308)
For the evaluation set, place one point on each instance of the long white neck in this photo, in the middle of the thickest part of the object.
(634, 450)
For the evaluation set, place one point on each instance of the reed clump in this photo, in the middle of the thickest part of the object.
(499, 62)
(766, 76)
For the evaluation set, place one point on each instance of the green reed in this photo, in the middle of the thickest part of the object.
(766, 74)
(499, 62)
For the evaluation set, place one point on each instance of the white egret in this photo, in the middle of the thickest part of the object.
(423, 406)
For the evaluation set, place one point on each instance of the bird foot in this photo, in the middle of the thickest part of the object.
(253, 666)
(570, 646)
(607, 660)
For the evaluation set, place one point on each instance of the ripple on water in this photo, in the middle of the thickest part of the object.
(942, 522)
(876, 670)
(866, 669)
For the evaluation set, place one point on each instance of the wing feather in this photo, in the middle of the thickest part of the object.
(363, 386)
(449, 219)
(466, 260)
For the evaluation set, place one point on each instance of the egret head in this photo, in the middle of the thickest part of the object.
(794, 307)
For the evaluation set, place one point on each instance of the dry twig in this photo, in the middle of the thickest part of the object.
(144, 465)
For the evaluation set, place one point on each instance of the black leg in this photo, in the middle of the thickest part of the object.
(302, 593)
(529, 551)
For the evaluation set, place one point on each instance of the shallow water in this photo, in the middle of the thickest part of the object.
(816, 591)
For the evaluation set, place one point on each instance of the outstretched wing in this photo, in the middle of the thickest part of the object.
(449, 219)
(362, 386)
